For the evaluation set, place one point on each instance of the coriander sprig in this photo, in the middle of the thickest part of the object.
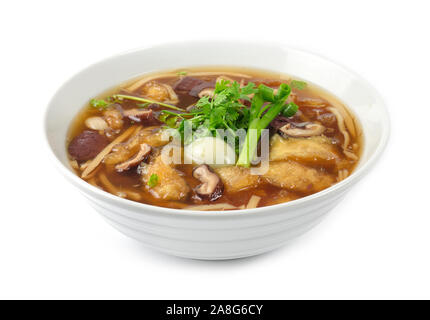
(224, 110)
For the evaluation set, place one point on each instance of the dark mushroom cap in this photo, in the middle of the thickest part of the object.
(87, 145)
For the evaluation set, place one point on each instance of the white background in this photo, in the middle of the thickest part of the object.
(375, 244)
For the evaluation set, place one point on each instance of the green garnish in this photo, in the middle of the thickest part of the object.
(290, 110)
(139, 99)
(171, 119)
(297, 84)
(98, 103)
(224, 111)
(153, 180)
(143, 105)
(182, 73)
(265, 106)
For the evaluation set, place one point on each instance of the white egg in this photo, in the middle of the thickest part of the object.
(211, 151)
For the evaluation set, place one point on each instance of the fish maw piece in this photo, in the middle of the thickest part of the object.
(152, 136)
(294, 176)
(155, 91)
(170, 186)
(314, 150)
(149, 135)
(155, 137)
(237, 178)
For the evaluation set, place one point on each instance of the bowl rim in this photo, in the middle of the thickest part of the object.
(143, 208)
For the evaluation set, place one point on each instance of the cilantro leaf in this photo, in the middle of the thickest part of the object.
(98, 103)
(169, 118)
(297, 84)
(153, 180)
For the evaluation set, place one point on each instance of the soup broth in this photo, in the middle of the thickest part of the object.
(116, 141)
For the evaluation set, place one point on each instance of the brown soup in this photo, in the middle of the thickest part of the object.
(116, 142)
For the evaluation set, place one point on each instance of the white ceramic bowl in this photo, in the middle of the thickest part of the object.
(229, 234)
